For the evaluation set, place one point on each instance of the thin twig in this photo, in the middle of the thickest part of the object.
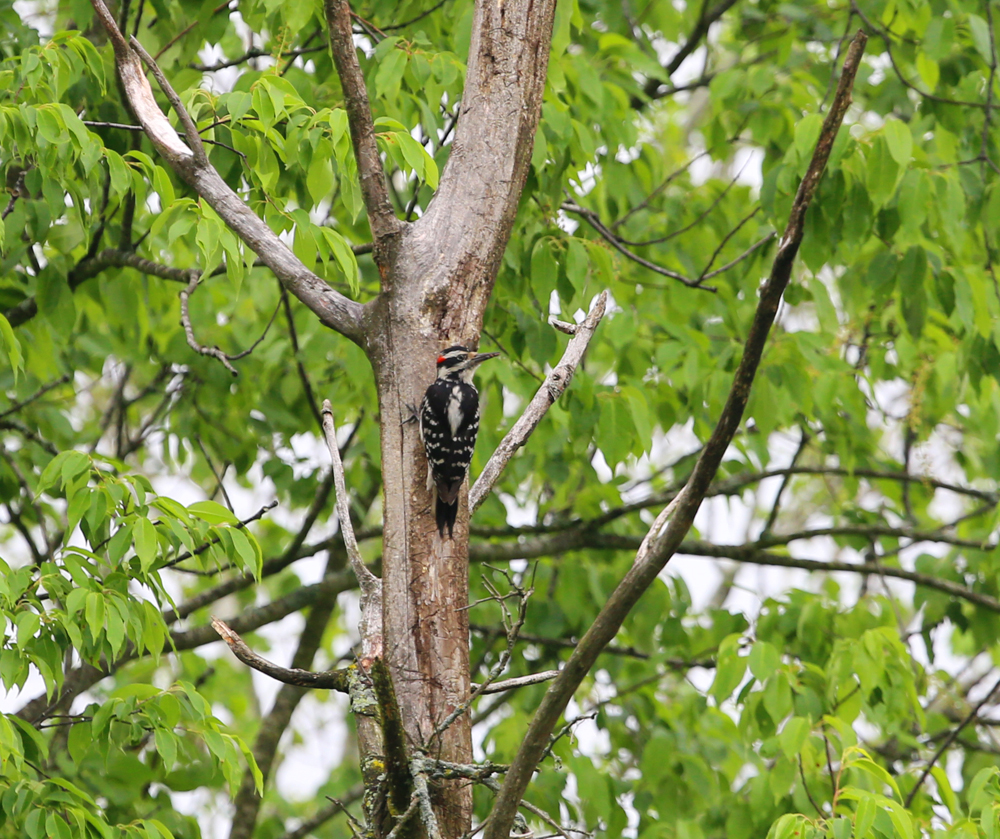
(215, 352)
(592, 219)
(512, 627)
(951, 739)
(13, 409)
(371, 586)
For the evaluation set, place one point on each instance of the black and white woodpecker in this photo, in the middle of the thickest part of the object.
(449, 422)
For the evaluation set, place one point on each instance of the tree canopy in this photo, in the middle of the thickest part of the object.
(163, 460)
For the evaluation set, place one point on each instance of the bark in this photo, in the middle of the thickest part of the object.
(435, 289)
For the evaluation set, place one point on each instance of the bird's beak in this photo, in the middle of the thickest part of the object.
(477, 358)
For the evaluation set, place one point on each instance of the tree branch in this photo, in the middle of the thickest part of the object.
(371, 586)
(329, 680)
(13, 409)
(947, 743)
(673, 524)
(381, 217)
(551, 389)
(191, 164)
(592, 219)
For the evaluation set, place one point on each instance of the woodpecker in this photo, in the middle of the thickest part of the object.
(449, 422)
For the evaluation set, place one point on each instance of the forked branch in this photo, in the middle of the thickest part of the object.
(674, 522)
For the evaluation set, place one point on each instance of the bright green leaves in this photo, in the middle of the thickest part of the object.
(407, 154)
(899, 140)
(11, 346)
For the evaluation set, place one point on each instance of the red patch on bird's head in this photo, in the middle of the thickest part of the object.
(440, 359)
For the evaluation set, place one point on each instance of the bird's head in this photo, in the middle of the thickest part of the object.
(459, 363)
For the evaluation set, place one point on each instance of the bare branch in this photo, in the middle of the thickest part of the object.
(517, 682)
(330, 680)
(190, 163)
(381, 217)
(552, 388)
(13, 409)
(371, 586)
(214, 352)
(887, 40)
(592, 219)
(673, 524)
(254, 53)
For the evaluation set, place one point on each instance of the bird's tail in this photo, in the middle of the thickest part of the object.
(446, 514)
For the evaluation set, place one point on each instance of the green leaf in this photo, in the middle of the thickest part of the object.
(390, 73)
(144, 536)
(900, 141)
(793, 736)
(980, 32)
(166, 747)
(248, 556)
(764, 660)
(12, 345)
(212, 512)
(95, 613)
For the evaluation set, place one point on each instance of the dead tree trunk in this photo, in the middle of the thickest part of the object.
(437, 283)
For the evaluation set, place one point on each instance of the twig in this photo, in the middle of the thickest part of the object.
(591, 218)
(214, 352)
(805, 786)
(357, 828)
(202, 548)
(947, 743)
(512, 627)
(666, 182)
(322, 816)
(254, 52)
(673, 523)
(218, 478)
(29, 498)
(555, 383)
(707, 275)
(517, 682)
(413, 20)
(423, 796)
(187, 29)
(772, 516)
(704, 214)
(303, 375)
(330, 680)
(887, 40)
(13, 409)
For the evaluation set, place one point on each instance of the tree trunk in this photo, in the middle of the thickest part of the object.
(435, 290)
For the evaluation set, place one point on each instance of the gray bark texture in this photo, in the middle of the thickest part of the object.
(436, 286)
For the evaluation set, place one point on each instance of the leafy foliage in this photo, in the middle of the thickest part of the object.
(811, 706)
